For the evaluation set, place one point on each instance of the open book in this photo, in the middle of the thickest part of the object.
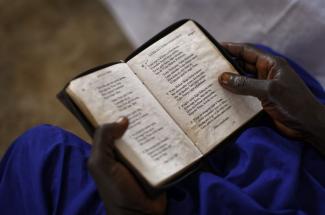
(169, 91)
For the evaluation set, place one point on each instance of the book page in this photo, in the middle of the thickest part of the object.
(181, 71)
(153, 143)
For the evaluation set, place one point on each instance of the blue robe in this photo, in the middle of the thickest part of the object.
(259, 172)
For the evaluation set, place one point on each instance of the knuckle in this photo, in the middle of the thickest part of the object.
(272, 60)
(280, 61)
(248, 45)
(240, 82)
(274, 88)
(253, 48)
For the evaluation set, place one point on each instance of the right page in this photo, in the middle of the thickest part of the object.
(181, 71)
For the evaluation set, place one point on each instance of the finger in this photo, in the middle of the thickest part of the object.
(252, 55)
(105, 136)
(244, 51)
(250, 68)
(114, 130)
(242, 85)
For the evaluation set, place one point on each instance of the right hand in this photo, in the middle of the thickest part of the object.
(283, 95)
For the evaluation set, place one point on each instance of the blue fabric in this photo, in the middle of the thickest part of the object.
(45, 172)
(259, 172)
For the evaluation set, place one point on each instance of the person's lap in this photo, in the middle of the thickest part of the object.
(45, 171)
(258, 172)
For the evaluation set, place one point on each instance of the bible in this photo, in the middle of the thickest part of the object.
(169, 91)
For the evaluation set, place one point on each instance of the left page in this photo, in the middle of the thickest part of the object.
(153, 143)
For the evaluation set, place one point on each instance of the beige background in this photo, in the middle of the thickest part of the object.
(44, 43)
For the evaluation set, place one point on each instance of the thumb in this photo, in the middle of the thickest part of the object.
(113, 130)
(243, 85)
(105, 135)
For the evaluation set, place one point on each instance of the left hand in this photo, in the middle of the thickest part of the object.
(117, 187)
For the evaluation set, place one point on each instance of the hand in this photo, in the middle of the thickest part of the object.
(284, 96)
(116, 185)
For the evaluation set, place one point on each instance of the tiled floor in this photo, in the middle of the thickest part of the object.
(43, 45)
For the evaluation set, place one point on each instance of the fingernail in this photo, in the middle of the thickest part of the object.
(224, 78)
(120, 120)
